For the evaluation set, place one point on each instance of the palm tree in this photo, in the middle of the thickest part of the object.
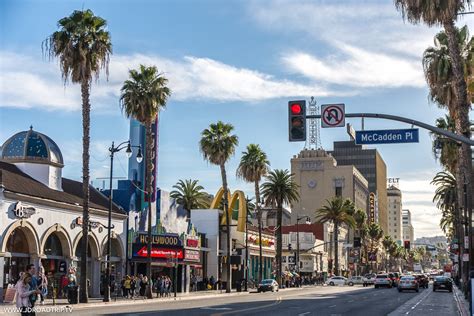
(336, 211)
(278, 189)
(443, 148)
(253, 166)
(375, 234)
(143, 95)
(83, 48)
(190, 195)
(387, 244)
(217, 145)
(445, 13)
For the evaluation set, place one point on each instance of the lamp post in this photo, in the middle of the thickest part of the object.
(113, 149)
(308, 221)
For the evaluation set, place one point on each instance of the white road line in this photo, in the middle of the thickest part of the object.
(350, 301)
(302, 314)
(332, 306)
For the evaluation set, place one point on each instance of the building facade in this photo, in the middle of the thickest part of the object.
(394, 213)
(370, 163)
(41, 216)
(408, 231)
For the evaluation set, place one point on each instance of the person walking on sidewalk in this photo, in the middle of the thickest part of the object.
(42, 284)
(33, 283)
(143, 286)
(133, 286)
(24, 293)
(127, 285)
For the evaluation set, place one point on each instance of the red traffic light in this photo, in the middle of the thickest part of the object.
(296, 108)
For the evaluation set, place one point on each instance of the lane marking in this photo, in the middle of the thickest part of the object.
(217, 308)
(332, 306)
(278, 301)
(302, 314)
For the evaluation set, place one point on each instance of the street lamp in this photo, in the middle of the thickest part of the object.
(308, 221)
(113, 149)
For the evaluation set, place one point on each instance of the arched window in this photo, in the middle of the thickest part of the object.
(53, 246)
(17, 242)
(78, 252)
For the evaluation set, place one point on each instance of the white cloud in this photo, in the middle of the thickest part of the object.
(26, 82)
(358, 68)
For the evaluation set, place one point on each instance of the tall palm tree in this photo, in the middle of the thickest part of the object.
(143, 95)
(217, 145)
(252, 167)
(278, 189)
(445, 149)
(387, 243)
(336, 211)
(83, 46)
(190, 195)
(446, 199)
(444, 13)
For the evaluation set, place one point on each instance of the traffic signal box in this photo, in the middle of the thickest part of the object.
(406, 243)
(297, 121)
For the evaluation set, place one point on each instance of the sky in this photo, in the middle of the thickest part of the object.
(235, 61)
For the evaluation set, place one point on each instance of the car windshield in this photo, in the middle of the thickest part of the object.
(382, 276)
(407, 278)
(441, 279)
(268, 281)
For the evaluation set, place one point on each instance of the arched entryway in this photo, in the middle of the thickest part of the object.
(21, 244)
(116, 261)
(93, 268)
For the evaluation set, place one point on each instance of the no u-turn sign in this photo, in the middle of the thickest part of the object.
(332, 115)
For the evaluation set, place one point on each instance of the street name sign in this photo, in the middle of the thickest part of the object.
(389, 136)
(333, 115)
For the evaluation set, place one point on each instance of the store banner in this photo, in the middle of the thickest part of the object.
(192, 255)
(141, 251)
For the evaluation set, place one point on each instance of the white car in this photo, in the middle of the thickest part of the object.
(336, 280)
(353, 280)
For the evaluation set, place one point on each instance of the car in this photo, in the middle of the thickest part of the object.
(268, 285)
(408, 282)
(423, 280)
(355, 280)
(442, 283)
(368, 279)
(394, 278)
(336, 280)
(382, 280)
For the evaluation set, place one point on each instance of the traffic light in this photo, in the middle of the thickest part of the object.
(357, 243)
(406, 243)
(297, 121)
(289, 247)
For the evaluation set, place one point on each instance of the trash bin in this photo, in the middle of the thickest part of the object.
(72, 294)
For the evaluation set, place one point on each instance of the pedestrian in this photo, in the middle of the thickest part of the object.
(122, 286)
(42, 284)
(24, 294)
(143, 286)
(30, 268)
(133, 286)
(127, 285)
(167, 286)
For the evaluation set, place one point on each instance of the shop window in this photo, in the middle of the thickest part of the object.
(53, 246)
(17, 242)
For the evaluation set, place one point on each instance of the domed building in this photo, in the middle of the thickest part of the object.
(41, 216)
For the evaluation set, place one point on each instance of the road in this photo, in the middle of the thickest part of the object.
(308, 301)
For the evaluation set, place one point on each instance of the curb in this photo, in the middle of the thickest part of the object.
(460, 302)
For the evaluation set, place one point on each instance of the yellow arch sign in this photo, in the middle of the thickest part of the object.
(232, 201)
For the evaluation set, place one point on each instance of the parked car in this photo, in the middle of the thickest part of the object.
(382, 280)
(368, 279)
(408, 282)
(442, 283)
(336, 280)
(268, 285)
(355, 280)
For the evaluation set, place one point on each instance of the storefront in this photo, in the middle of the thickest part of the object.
(268, 253)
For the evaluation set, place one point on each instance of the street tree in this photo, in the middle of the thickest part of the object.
(252, 167)
(217, 145)
(143, 96)
(279, 189)
(83, 46)
(338, 212)
(190, 194)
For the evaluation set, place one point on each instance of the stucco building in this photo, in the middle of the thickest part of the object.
(394, 214)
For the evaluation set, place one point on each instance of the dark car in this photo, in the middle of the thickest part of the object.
(442, 283)
(268, 285)
(423, 280)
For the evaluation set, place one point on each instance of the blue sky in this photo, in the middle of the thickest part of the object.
(236, 61)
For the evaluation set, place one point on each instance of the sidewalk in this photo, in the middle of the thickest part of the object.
(97, 301)
(461, 303)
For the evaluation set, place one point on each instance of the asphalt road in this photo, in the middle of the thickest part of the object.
(299, 302)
